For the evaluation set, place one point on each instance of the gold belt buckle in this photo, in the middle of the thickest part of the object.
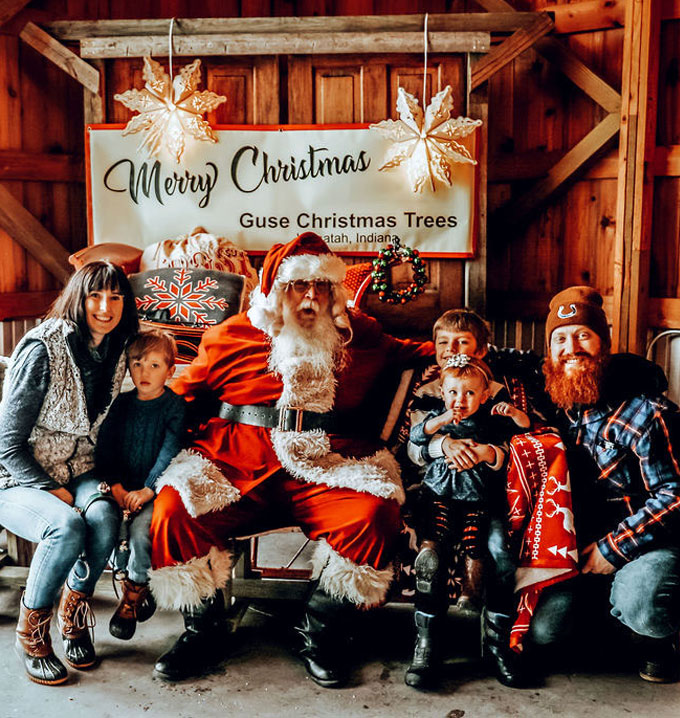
(298, 418)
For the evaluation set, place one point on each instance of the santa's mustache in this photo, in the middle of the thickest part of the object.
(309, 304)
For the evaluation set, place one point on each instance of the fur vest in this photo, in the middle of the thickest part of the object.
(63, 438)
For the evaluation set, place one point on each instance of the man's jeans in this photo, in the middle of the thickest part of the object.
(62, 535)
(137, 560)
(644, 595)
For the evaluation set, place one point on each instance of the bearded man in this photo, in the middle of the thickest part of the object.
(290, 445)
(624, 461)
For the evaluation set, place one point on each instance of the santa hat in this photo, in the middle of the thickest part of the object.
(578, 305)
(305, 257)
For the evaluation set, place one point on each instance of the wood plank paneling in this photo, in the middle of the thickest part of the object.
(13, 270)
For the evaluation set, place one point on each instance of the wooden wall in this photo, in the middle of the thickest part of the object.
(535, 116)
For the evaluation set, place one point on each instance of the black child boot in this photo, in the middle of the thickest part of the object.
(509, 666)
(425, 664)
(323, 644)
(202, 645)
(136, 604)
(431, 603)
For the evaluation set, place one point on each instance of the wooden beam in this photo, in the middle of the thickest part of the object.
(61, 56)
(579, 73)
(94, 104)
(509, 49)
(503, 22)
(635, 194)
(557, 176)
(566, 61)
(40, 167)
(10, 8)
(283, 44)
(476, 269)
(25, 229)
(588, 16)
(25, 305)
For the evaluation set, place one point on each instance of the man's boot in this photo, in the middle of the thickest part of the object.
(34, 646)
(471, 595)
(509, 666)
(202, 645)
(659, 659)
(322, 639)
(75, 619)
(136, 604)
(425, 664)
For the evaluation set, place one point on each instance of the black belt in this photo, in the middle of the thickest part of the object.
(288, 418)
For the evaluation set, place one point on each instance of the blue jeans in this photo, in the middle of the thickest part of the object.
(137, 560)
(644, 595)
(62, 535)
(501, 571)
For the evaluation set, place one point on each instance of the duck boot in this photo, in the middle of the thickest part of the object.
(34, 646)
(75, 619)
(426, 663)
(510, 668)
(322, 645)
(136, 604)
(203, 644)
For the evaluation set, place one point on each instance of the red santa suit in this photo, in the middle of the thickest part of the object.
(343, 490)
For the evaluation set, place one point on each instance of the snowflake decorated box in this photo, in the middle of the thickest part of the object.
(186, 301)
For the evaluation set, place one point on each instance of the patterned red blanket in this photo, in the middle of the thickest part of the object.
(541, 519)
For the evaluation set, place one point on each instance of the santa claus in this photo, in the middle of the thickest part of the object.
(291, 445)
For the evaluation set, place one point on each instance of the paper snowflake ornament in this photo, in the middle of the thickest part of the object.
(426, 144)
(170, 111)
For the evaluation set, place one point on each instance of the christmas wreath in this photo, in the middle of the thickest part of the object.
(389, 256)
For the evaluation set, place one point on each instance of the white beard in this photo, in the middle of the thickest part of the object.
(306, 359)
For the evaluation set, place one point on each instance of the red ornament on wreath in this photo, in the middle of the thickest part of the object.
(390, 256)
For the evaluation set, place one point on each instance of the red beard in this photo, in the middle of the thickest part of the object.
(580, 386)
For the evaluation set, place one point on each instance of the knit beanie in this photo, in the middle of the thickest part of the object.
(578, 305)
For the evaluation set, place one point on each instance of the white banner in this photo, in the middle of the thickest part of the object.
(260, 186)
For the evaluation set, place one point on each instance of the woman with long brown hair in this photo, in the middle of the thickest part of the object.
(63, 377)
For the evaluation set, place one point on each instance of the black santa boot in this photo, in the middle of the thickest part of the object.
(203, 644)
(322, 633)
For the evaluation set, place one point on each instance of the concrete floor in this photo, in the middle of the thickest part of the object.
(262, 679)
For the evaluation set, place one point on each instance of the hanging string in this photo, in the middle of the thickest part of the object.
(425, 70)
(172, 22)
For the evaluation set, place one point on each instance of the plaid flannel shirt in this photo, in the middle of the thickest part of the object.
(631, 445)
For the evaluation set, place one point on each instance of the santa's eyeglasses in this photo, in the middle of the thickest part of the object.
(322, 287)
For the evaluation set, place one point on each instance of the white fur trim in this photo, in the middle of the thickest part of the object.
(262, 310)
(200, 484)
(306, 455)
(311, 266)
(185, 585)
(341, 578)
